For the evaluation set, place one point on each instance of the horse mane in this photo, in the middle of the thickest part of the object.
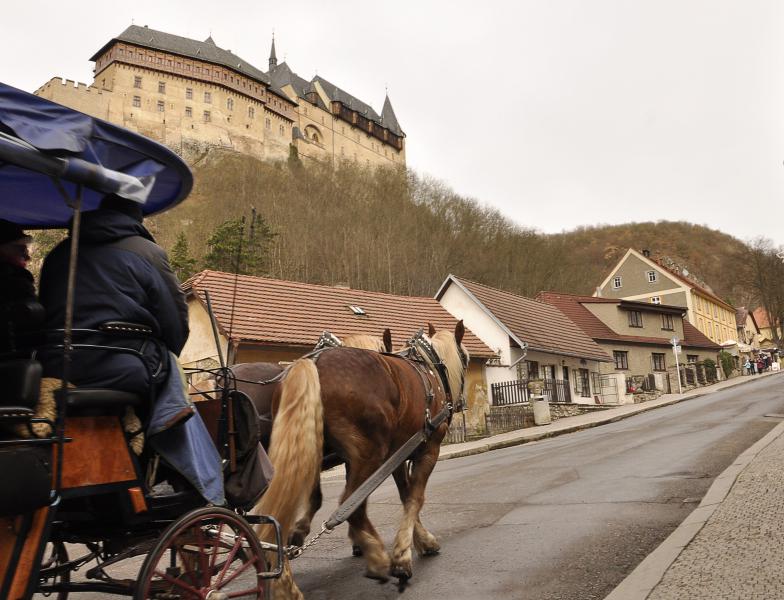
(363, 341)
(444, 344)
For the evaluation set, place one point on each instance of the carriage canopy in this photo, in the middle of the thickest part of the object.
(44, 144)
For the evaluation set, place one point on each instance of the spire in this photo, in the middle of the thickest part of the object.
(273, 59)
(388, 117)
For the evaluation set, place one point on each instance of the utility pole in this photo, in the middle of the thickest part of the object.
(676, 349)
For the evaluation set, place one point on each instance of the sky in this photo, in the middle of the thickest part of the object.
(559, 113)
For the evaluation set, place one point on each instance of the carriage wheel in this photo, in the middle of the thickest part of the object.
(207, 554)
(55, 555)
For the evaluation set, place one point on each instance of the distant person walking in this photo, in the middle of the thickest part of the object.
(748, 368)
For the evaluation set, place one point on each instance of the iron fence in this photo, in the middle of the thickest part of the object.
(507, 393)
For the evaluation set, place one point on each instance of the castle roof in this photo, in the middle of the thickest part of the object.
(207, 50)
(388, 117)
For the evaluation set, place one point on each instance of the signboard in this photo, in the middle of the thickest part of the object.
(677, 349)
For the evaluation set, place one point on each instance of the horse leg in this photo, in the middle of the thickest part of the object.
(425, 542)
(302, 526)
(421, 469)
(283, 588)
(363, 535)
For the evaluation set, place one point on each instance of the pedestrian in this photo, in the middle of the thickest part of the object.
(747, 367)
(760, 366)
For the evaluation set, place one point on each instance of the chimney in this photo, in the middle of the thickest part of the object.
(646, 253)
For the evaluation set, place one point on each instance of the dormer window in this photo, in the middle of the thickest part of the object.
(652, 276)
(617, 281)
(357, 310)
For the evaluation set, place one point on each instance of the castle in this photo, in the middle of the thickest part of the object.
(189, 94)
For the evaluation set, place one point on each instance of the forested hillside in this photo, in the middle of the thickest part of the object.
(396, 231)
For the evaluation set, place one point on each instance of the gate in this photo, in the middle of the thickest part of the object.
(608, 388)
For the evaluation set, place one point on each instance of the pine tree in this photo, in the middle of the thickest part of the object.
(235, 248)
(182, 263)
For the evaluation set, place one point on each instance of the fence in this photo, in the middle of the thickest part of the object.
(507, 393)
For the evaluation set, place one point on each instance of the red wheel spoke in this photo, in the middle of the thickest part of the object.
(187, 563)
(229, 559)
(234, 575)
(206, 575)
(256, 590)
(215, 547)
(180, 584)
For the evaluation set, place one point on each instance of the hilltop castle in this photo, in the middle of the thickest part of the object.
(190, 94)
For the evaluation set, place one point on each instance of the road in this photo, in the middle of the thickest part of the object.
(565, 518)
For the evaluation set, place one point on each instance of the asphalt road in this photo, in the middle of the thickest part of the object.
(565, 518)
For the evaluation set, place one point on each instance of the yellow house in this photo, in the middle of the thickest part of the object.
(766, 339)
(640, 278)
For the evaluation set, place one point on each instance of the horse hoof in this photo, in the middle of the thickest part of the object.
(431, 551)
(403, 574)
(356, 550)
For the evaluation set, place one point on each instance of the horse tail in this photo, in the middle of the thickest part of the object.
(296, 446)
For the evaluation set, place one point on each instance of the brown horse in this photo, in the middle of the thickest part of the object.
(362, 406)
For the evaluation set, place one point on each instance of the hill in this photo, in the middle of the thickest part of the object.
(395, 231)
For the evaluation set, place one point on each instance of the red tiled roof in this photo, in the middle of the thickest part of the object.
(287, 312)
(542, 326)
(695, 285)
(760, 316)
(573, 307)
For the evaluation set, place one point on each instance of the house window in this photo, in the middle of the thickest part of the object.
(532, 367)
(651, 275)
(207, 116)
(161, 106)
(692, 358)
(655, 300)
(189, 93)
(161, 87)
(715, 311)
(357, 310)
(621, 359)
(188, 112)
(137, 101)
(251, 112)
(229, 103)
(137, 82)
(667, 322)
(658, 362)
(635, 318)
(582, 383)
(208, 97)
(616, 282)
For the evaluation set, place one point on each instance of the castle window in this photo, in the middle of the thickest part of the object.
(137, 82)
(283, 131)
(161, 106)
(207, 116)
(208, 97)
(188, 111)
(160, 60)
(251, 112)
(267, 124)
(189, 93)
(230, 104)
(187, 67)
(161, 87)
(137, 101)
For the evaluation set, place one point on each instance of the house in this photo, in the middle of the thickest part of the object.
(531, 339)
(639, 278)
(748, 335)
(269, 320)
(638, 335)
(766, 338)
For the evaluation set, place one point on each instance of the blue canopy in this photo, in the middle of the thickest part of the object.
(43, 143)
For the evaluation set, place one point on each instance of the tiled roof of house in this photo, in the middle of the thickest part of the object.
(573, 306)
(694, 285)
(542, 326)
(760, 316)
(274, 311)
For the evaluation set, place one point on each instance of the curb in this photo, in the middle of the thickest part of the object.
(534, 436)
(639, 584)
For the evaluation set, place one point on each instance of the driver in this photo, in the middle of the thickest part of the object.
(123, 275)
(16, 282)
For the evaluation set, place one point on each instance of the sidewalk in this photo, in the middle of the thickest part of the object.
(570, 424)
(731, 546)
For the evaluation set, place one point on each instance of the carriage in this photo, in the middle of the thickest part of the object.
(80, 491)
(84, 492)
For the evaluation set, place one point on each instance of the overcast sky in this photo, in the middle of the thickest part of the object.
(559, 113)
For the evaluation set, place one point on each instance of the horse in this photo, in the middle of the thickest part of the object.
(362, 406)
